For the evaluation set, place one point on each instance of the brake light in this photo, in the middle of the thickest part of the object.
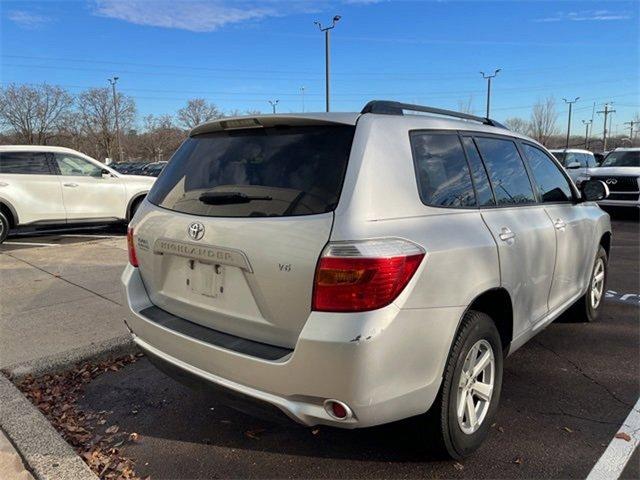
(361, 276)
(133, 258)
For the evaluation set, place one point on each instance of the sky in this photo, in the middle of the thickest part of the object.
(240, 54)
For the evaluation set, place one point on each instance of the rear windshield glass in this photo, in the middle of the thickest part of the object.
(267, 172)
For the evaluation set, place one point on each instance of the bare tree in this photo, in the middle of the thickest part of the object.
(34, 113)
(97, 114)
(466, 106)
(518, 125)
(161, 137)
(543, 120)
(197, 111)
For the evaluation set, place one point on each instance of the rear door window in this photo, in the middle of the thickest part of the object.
(507, 172)
(26, 163)
(442, 171)
(551, 183)
(263, 172)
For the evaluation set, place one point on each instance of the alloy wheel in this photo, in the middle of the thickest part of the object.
(475, 388)
(597, 283)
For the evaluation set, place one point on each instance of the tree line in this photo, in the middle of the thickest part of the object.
(50, 115)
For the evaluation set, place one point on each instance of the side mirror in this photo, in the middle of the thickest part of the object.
(573, 165)
(594, 190)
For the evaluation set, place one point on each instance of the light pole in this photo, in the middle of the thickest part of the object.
(302, 92)
(326, 31)
(113, 82)
(489, 77)
(570, 102)
(273, 104)
(587, 124)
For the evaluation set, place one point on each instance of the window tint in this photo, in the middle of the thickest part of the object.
(30, 163)
(441, 167)
(484, 195)
(551, 183)
(71, 165)
(508, 176)
(280, 171)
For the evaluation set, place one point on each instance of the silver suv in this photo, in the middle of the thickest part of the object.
(353, 269)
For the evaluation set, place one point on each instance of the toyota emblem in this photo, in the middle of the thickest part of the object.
(196, 230)
(611, 181)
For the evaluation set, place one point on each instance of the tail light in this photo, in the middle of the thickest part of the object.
(133, 258)
(361, 276)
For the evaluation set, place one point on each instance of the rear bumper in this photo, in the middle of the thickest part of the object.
(385, 365)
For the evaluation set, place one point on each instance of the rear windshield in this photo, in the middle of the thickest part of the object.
(266, 172)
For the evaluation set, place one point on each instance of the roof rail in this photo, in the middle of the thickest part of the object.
(387, 107)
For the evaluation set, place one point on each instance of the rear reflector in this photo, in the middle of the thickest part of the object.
(133, 258)
(361, 276)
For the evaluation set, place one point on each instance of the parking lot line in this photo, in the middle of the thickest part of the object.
(30, 244)
(614, 459)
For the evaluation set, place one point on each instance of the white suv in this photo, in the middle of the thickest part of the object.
(620, 170)
(353, 269)
(53, 186)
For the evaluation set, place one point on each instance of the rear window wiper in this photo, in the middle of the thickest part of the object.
(229, 198)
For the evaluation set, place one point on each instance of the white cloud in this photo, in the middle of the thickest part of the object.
(192, 15)
(586, 16)
(26, 19)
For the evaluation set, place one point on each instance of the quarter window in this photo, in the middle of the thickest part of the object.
(507, 173)
(441, 167)
(73, 166)
(27, 163)
(551, 183)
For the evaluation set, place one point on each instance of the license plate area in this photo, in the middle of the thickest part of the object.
(205, 278)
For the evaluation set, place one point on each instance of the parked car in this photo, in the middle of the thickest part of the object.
(353, 269)
(576, 162)
(153, 169)
(54, 186)
(620, 170)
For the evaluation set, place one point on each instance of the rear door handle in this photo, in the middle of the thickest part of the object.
(506, 234)
(559, 224)
(71, 185)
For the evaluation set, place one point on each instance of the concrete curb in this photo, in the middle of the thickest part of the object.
(43, 451)
(112, 347)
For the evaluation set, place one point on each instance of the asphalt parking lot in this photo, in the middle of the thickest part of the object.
(565, 394)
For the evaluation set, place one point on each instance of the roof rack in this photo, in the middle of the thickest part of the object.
(387, 107)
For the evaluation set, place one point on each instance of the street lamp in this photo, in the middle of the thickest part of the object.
(587, 124)
(113, 82)
(326, 31)
(273, 104)
(570, 102)
(489, 77)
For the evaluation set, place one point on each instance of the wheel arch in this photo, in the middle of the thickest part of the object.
(138, 197)
(10, 212)
(497, 304)
(605, 242)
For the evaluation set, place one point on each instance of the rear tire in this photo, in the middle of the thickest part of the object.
(4, 227)
(462, 413)
(588, 307)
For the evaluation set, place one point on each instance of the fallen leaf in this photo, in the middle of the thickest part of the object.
(255, 434)
(112, 429)
(518, 461)
(623, 436)
(458, 466)
(134, 437)
(568, 429)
